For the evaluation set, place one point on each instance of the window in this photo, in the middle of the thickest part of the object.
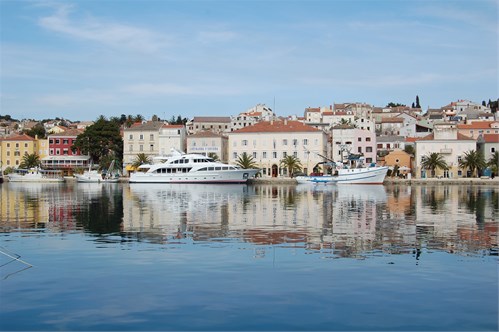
(141, 137)
(295, 154)
(274, 155)
(65, 152)
(25, 145)
(56, 141)
(284, 142)
(493, 150)
(305, 141)
(130, 148)
(234, 155)
(284, 154)
(359, 139)
(141, 148)
(130, 136)
(8, 144)
(151, 147)
(254, 155)
(369, 149)
(368, 139)
(295, 142)
(65, 141)
(264, 155)
(244, 142)
(359, 149)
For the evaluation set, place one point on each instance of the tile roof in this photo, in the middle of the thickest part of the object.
(69, 132)
(476, 125)
(460, 137)
(205, 133)
(22, 137)
(150, 125)
(491, 138)
(211, 119)
(277, 127)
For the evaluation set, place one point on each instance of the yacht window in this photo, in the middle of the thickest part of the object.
(211, 168)
(218, 168)
(202, 169)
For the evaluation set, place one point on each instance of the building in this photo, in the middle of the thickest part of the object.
(217, 124)
(171, 137)
(255, 114)
(141, 138)
(350, 140)
(448, 142)
(477, 128)
(488, 144)
(62, 156)
(268, 142)
(207, 142)
(13, 148)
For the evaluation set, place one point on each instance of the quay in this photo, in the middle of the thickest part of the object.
(397, 181)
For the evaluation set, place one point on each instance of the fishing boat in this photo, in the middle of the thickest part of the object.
(35, 174)
(180, 167)
(353, 171)
(94, 176)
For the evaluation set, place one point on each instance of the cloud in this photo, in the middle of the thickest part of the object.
(108, 33)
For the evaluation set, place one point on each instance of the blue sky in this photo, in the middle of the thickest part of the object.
(81, 59)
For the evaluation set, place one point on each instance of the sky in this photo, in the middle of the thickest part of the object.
(81, 59)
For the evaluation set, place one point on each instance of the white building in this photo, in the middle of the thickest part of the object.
(268, 142)
(446, 141)
(207, 142)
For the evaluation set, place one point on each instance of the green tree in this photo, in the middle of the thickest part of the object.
(394, 104)
(37, 130)
(246, 161)
(417, 102)
(141, 159)
(494, 162)
(292, 164)
(30, 160)
(138, 118)
(213, 156)
(474, 161)
(101, 139)
(433, 161)
(410, 149)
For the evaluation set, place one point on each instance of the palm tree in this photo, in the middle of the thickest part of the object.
(292, 164)
(474, 161)
(213, 156)
(494, 162)
(141, 159)
(30, 160)
(432, 161)
(246, 161)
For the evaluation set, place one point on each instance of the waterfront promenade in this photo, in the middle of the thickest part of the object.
(398, 181)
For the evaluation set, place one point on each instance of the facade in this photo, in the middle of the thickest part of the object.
(488, 144)
(171, 137)
(13, 148)
(447, 141)
(477, 128)
(401, 159)
(61, 144)
(347, 139)
(255, 114)
(141, 138)
(268, 142)
(217, 124)
(206, 142)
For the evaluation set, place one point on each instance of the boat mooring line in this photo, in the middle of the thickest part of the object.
(14, 258)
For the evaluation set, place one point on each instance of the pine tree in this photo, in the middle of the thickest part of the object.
(417, 102)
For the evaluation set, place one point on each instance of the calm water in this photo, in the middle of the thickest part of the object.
(236, 257)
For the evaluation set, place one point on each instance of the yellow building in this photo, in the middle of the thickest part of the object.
(13, 148)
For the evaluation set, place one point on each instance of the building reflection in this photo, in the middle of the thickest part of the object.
(335, 221)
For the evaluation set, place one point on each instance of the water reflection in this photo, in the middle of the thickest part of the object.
(335, 221)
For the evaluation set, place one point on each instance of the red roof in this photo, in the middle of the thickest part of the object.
(22, 137)
(491, 138)
(460, 137)
(476, 125)
(277, 126)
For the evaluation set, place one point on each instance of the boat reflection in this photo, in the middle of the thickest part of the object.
(336, 221)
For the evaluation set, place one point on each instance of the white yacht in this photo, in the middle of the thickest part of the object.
(94, 176)
(191, 168)
(362, 175)
(35, 175)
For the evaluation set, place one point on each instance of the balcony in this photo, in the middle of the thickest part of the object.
(446, 151)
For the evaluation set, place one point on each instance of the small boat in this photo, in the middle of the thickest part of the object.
(191, 168)
(352, 172)
(94, 176)
(35, 174)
